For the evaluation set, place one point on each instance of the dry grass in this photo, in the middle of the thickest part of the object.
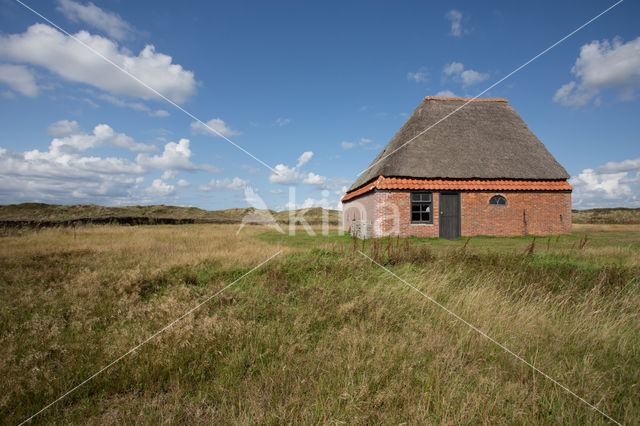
(319, 335)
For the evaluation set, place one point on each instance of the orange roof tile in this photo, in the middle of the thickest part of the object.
(461, 184)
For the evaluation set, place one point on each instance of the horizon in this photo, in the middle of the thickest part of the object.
(296, 97)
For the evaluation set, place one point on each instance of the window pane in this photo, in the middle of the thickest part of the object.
(426, 207)
(498, 200)
(415, 216)
(426, 217)
(415, 207)
(415, 196)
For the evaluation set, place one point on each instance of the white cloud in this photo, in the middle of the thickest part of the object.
(160, 188)
(77, 141)
(304, 158)
(44, 46)
(314, 179)
(454, 68)
(446, 94)
(169, 174)
(137, 106)
(284, 174)
(623, 166)
(277, 191)
(347, 145)
(363, 142)
(418, 76)
(608, 186)
(217, 124)
(183, 183)
(466, 77)
(54, 176)
(600, 66)
(63, 128)
(176, 156)
(159, 113)
(108, 22)
(20, 79)
(455, 17)
(65, 174)
(471, 77)
(291, 175)
(234, 184)
(283, 121)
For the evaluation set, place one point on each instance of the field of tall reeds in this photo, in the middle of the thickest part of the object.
(319, 334)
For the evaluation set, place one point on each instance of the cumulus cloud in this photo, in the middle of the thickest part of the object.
(314, 179)
(54, 176)
(610, 185)
(108, 22)
(183, 183)
(44, 46)
(603, 65)
(20, 79)
(284, 174)
(234, 184)
(455, 18)
(466, 76)
(291, 175)
(176, 156)
(418, 76)
(160, 188)
(217, 124)
(65, 173)
(73, 140)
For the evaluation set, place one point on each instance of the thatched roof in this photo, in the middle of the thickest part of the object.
(485, 139)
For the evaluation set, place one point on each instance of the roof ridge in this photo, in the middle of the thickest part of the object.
(442, 98)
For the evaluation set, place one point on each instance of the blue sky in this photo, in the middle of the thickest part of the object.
(313, 90)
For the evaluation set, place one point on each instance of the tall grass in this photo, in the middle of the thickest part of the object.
(320, 334)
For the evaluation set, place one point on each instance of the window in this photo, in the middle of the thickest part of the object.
(498, 200)
(421, 207)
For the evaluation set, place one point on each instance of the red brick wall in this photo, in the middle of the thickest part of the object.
(537, 213)
(394, 216)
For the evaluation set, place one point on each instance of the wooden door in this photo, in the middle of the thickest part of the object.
(449, 215)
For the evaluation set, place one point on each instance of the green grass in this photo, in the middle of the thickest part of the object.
(320, 334)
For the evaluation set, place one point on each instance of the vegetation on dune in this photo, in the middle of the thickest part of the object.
(618, 215)
(54, 212)
(319, 334)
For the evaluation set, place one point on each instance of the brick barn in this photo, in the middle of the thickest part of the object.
(480, 171)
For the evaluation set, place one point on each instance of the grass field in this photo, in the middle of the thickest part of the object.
(319, 334)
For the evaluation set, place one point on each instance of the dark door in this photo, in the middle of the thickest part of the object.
(449, 216)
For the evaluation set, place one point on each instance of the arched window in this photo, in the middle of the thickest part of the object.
(498, 200)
